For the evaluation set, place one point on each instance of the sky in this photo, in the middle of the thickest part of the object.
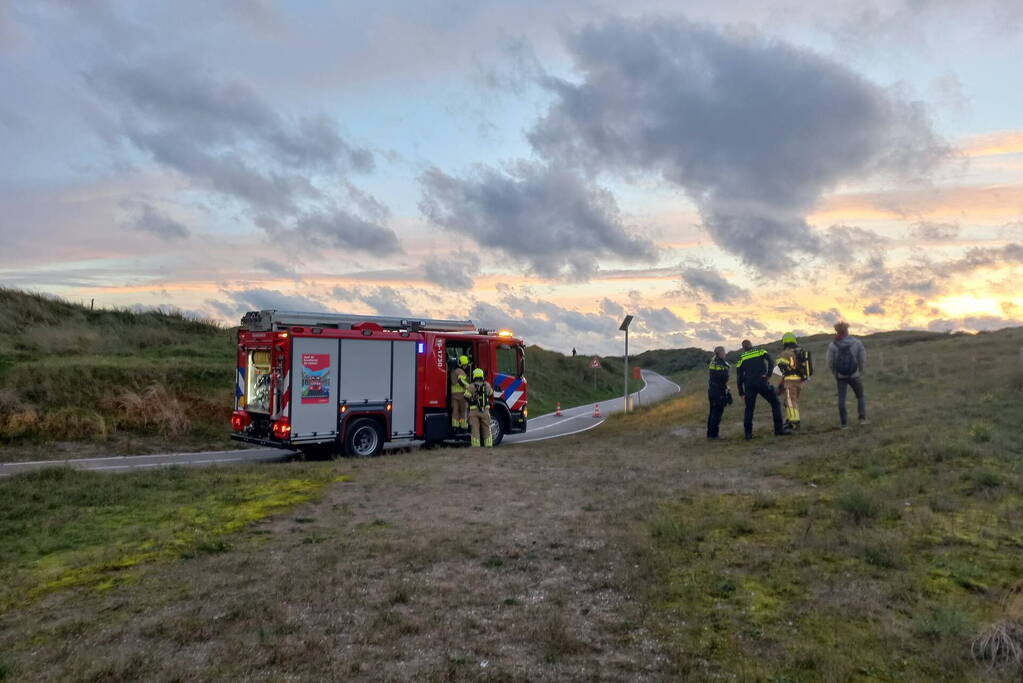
(720, 171)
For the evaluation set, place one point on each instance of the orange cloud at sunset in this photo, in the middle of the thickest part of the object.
(994, 144)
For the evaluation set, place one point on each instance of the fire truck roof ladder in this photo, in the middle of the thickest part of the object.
(275, 320)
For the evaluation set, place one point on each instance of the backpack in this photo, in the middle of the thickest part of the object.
(845, 361)
(804, 363)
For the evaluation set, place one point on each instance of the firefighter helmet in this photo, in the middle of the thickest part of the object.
(477, 373)
(789, 338)
(463, 360)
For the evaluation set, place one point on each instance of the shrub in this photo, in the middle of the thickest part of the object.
(980, 432)
(74, 423)
(944, 623)
(154, 409)
(858, 504)
(881, 553)
(667, 531)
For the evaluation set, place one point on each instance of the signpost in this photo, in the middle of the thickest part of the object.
(595, 364)
(637, 373)
(625, 328)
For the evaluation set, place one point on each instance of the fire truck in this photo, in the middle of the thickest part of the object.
(328, 383)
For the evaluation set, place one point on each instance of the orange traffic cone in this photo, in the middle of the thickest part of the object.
(596, 410)
(557, 410)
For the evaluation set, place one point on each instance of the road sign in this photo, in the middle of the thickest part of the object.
(637, 373)
(594, 362)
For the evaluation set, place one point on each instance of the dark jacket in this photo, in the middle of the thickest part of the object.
(717, 386)
(754, 366)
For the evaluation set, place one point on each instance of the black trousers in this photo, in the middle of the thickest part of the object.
(717, 409)
(762, 388)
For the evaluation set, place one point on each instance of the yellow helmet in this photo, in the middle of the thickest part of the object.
(477, 373)
(463, 360)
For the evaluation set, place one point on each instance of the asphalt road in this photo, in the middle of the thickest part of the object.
(572, 421)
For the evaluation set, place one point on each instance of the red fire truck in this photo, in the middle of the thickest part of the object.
(327, 383)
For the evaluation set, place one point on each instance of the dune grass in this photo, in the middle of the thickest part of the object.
(152, 381)
(881, 552)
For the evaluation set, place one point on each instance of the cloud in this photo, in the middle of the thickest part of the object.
(342, 229)
(454, 271)
(235, 303)
(387, 301)
(985, 323)
(550, 219)
(153, 221)
(754, 130)
(874, 309)
(276, 268)
(699, 279)
(224, 138)
(612, 309)
(934, 231)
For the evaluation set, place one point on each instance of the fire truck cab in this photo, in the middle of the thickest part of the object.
(329, 383)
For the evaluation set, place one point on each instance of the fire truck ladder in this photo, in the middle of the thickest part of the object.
(262, 321)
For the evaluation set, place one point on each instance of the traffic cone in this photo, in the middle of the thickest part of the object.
(557, 410)
(596, 410)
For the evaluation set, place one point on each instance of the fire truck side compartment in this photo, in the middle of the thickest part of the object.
(365, 371)
(403, 388)
(313, 421)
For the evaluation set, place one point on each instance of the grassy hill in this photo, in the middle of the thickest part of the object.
(135, 382)
(636, 551)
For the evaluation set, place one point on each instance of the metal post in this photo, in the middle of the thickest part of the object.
(624, 327)
(626, 369)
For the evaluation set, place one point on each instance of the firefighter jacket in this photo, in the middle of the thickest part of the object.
(788, 363)
(753, 366)
(459, 382)
(717, 385)
(479, 394)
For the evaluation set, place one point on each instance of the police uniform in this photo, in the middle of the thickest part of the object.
(459, 404)
(751, 375)
(479, 394)
(717, 394)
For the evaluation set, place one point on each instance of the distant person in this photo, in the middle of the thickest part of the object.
(847, 360)
(573, 352)
(479, 394)
(796, 367)
(751, 376)
(717, 391)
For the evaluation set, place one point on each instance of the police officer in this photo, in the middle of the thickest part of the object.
(479, 394)
(751, 375)
(459, 404)
(717, 391)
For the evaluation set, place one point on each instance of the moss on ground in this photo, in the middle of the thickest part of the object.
(63, 528)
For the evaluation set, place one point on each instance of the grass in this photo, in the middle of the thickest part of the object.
(62, 528)
(555, 378)
(637, 551)
(884, 552)
(130, 382)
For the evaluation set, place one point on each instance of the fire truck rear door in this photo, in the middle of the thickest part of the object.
(314, 389)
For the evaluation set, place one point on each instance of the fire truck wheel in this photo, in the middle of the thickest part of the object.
(364, 439)
(497, 427)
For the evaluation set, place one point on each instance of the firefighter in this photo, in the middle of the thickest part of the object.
(479, 394)
(459, 385)
(717, 391)
(751, 375)
(796, 367)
